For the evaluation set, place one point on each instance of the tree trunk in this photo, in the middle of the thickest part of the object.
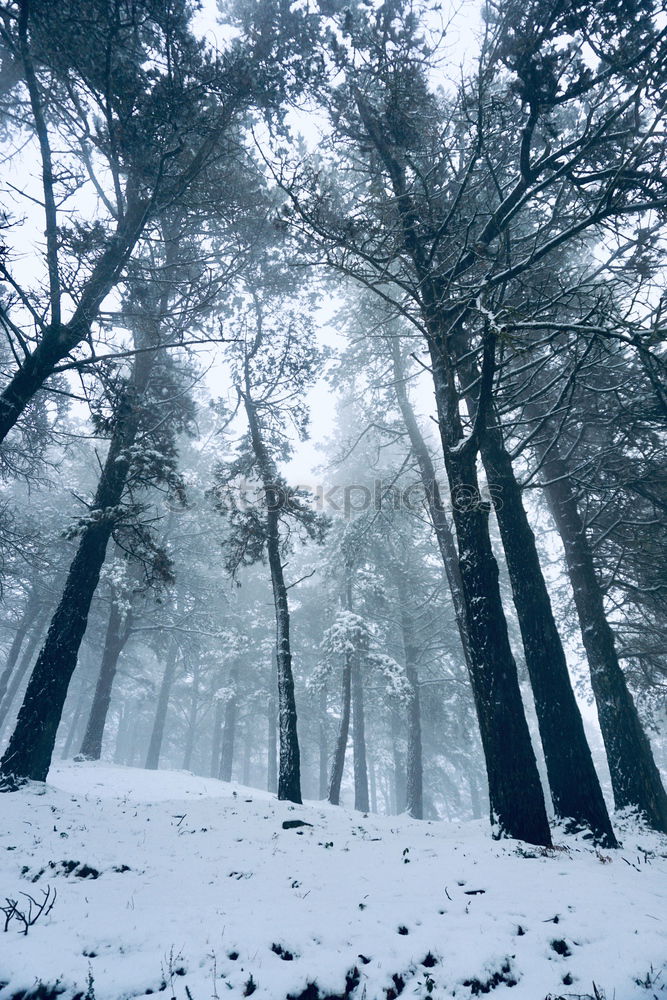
(73, 730)
(436, 509)
(359, 737)
(217, 737)
(322, 733)
(229, 730)
(635, 779)
(516, 799)
(121, 733)
(118, 630)
(192, 718)
(338, 763)
(515, 793)
(59, 339)
(157, 733)
(414, 761)
(30, 748)
(575, 787)
(399, 782)
(372, 785)
(289, 769)
(247, 753)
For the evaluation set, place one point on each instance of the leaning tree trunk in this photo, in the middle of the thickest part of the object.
(117, 634)
(443, 532)
(575, 788)
(159, 722)
(515, 794)
(289, 768)
(338, 763)
(361, 801)
(28, 755)
(516, 798)
(635, 779)
(229, 728)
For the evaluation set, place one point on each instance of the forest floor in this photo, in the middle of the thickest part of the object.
(173, 883)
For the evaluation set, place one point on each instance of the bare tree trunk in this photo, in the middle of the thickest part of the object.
(121, 732)
(338, 763)
(157, 733)
(217, 737)
(372, 785)
(635, 778)
(515, 794)
(229, 729)
(399, 782)
(73, 731)
(247, 753)
(289, 770)
(30, 748)
(322, 733)
(117, 634)
(192, 718)
(414, 760)
(359, 737)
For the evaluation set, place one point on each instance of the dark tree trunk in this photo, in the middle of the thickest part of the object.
(217, 737)
(575, 788)
(516, 799)
(515, 794)
(59, 339)
(229, 729)
(23, 666)
(635, 778)
(157, 732)
(359, 737)
(322, 734)
(338, 763)
(28, 754)
(289, 769)
(118, 630)
(443, 532)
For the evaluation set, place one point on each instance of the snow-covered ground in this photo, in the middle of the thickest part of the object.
(193, 887)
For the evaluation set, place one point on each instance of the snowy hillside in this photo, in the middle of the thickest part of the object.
(167, 882)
